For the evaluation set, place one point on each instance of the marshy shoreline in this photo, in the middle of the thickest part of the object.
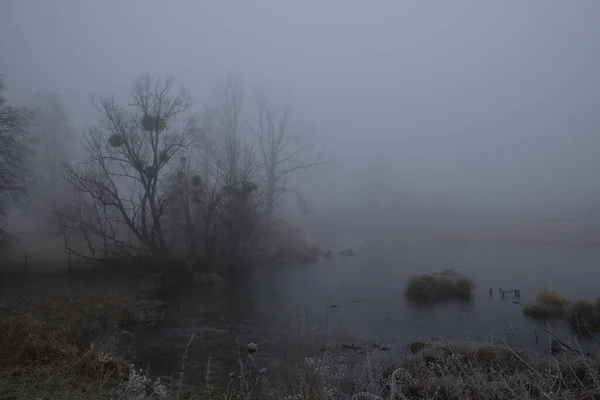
(67, 337)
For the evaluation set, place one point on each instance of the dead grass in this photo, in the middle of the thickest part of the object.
(58, 334)
(584, 317)
(548, 304)
(439, 285)
(466, 370)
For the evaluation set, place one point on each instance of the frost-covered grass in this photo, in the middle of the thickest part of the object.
(469, 370)
(583, 316)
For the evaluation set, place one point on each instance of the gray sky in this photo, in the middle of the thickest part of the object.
(489, 102)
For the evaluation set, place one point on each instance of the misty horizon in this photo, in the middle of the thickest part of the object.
(490, 106)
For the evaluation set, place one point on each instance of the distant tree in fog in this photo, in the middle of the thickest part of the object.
(284, 150)
(55, 144)
(55, 138)
(237, 171)
(129, 158)
(217, 196)
(15, 147)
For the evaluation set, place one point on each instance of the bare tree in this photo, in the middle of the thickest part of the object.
(129, 159)
(283, 149)
(217, 200)
(90, 230)
(15, 146)
(236, 171)
(194, 209)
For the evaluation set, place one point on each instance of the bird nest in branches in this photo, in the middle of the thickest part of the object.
(196, 197)
(153, 123)
(115, 140)
(163, 157)
(150, 172)
(138, 165)
(196, 180)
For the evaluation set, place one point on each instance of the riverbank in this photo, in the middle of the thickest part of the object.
(67, 337)
(60, 334)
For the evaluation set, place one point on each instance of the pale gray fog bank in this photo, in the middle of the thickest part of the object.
(241, 137)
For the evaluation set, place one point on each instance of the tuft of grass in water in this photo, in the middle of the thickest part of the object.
(439, 285)
(548, 304)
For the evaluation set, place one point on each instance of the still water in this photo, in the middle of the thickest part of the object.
(360, 299)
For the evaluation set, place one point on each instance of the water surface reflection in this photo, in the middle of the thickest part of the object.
(269, 306)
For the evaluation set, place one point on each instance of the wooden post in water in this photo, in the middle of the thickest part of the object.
(491, 292)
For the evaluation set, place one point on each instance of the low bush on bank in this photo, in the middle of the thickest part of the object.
(547, 305)
(439, 285)
(287, 246)
(584, 317)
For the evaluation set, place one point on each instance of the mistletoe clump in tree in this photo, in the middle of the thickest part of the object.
(124, 177)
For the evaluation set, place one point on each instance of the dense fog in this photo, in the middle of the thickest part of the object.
(487, 109)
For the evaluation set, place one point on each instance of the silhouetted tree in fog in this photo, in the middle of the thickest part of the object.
(237, 168)
(153, 180)
(283, 149)
(217, 196)
(129, 157)
(15, 147)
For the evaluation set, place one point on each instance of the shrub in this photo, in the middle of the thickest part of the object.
(547, 305)
(439, 285)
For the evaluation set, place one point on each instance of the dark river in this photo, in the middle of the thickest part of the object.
(287, 309)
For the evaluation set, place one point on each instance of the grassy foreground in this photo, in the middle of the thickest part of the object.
(58, 335)
(459, 370)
